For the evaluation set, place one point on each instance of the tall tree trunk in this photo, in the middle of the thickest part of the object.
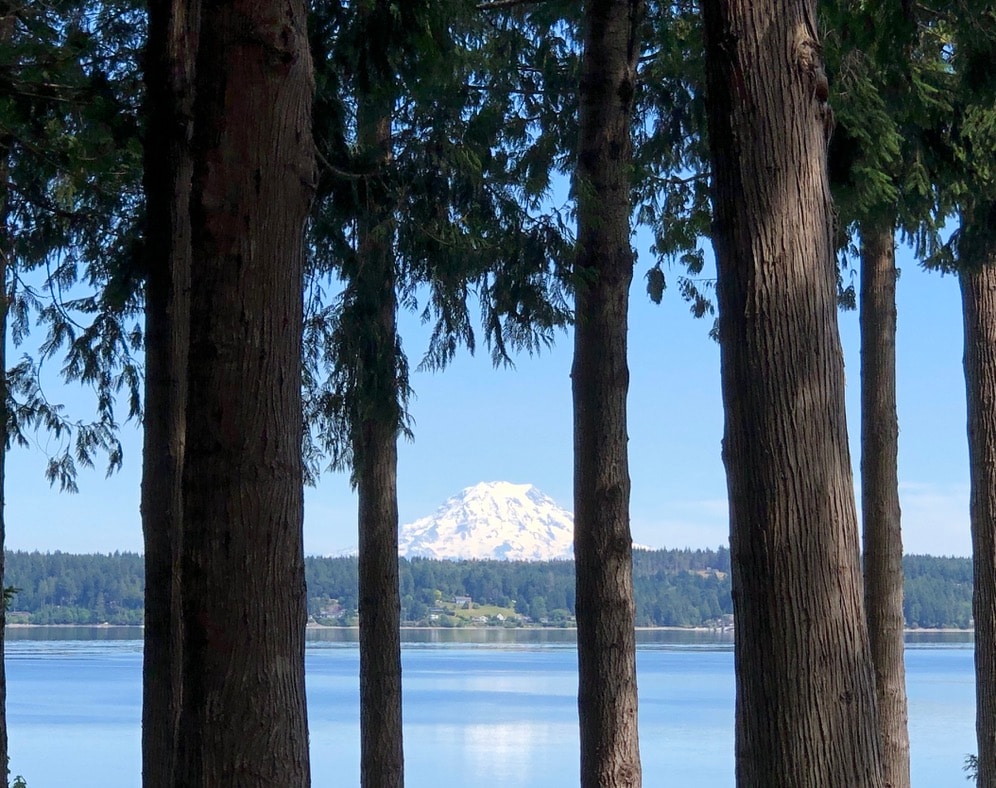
(805, 709)
(978, 288)
(243, 720)
(883, 541)
(7, 21)
(375, 454)
(169, 72)
(5, 263)
(603, 547)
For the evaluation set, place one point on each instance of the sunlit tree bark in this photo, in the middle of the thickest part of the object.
(978, 288)
(882, 529)
(805, 709)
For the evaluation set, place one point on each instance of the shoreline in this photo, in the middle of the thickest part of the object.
(315, 626)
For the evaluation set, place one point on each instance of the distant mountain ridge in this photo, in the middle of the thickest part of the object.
(493, 521)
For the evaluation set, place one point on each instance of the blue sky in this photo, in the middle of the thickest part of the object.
(475, 423)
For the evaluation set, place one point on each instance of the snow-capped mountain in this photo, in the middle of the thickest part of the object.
(493, 520)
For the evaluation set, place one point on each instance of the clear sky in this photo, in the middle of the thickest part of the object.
(474, 423)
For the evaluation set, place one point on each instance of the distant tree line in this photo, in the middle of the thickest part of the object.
(63, 588)
(938, 591)
(673, 588)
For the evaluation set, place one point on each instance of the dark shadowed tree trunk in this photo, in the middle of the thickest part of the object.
(978, 288)
(883, 540)
(375, 465)
(5, 262)
(243, 720)
(607, 695)
(169, 73)
(805, 710)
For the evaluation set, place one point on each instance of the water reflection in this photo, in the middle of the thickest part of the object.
(502, 754)
(493, 708)
(494, 636)
(511, 637)
(932, 638)
(58, 632)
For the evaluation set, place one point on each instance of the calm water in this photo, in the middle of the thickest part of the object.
(481, 708)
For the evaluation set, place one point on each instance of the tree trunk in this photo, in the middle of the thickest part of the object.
(5, 262)
(607, 693)
(243, 720)
(381, 750)
(978, 288)
(169, 71)
(883, 541)
(375, 456)
(805, 709)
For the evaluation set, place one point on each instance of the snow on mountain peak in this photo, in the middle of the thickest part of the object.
(493, 520)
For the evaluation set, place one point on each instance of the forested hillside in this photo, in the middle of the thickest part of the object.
(62, 588)
(673, 588)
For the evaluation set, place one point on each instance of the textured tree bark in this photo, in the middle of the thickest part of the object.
(169, 71)
(5, 261)
(243, 720)
(6, 247)
(375, 454)
(381, 749)
(883, 541)
(978, 288)
(607, 691)
(805, 709)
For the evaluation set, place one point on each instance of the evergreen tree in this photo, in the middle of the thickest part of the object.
(806, 710)
(71, 116)
(605, 609)
(6, 36)
(169, 79)
(369, 309)
(243, 711)
(978, 289)
(67, 178)
(668, 584)
(419, 193)
(887, 80)
(973, 192)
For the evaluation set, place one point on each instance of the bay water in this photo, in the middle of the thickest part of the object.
(482, 707)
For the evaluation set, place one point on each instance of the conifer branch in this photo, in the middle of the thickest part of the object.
(498, 5)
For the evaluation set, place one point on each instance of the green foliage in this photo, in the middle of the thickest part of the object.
(890, 89)
(972, 181)
(971, 768)
(671, 152)
(69, 140)
(60, 588)
(70, 122)
(458, 202)
(930, 63)
(673, 588)
(938, 591)
(9, 592)
(670, 148)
